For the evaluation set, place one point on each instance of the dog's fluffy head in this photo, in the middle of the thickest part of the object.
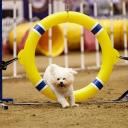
(61, 77)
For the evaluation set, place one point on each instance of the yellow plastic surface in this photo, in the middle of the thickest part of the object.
(42, 46)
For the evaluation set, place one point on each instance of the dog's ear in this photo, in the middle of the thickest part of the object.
(72, 71)
(53, 68)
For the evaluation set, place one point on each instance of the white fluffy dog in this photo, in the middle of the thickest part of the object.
(61, 81)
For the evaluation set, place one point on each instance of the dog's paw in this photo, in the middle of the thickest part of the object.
(65, 105)
(75, 105)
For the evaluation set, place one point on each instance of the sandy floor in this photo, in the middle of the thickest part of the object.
(91, 114)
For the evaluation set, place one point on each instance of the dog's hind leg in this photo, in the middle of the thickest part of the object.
(72, 100)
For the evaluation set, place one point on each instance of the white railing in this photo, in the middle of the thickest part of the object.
(8, 23)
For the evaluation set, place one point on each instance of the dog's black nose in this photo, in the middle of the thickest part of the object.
(61, 84)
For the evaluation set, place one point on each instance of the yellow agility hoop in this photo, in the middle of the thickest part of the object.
(109, 54)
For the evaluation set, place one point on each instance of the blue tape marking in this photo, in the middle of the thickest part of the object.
(40, 86)
(39, 29)
(96, 29)
(98, 84)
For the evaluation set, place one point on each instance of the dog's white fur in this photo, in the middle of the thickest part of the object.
(61, 80)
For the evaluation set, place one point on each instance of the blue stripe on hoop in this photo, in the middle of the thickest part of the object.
(96, 29)
(39, 29)
(41, 85)
(98, 84)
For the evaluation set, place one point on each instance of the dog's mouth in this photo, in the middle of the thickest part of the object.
(61, 85)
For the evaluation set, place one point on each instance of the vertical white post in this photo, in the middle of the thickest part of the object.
(96, 42)
(124, 30)
(112, 24)
(50, 45)
(50, 34)
(65, 46)
(65, 38)
(14, 43)
(30, 10)
(82, 41)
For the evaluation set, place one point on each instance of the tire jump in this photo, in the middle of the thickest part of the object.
(110, 55)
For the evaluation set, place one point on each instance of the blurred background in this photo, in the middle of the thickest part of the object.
(71, 45)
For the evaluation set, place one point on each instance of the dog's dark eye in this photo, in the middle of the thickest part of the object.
(64, 78)
(58, 78)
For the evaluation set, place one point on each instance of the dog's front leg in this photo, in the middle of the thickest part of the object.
(61, 99)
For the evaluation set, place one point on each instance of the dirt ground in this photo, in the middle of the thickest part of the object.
(93, 113)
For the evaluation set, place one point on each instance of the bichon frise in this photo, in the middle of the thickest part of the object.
(61, 80)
